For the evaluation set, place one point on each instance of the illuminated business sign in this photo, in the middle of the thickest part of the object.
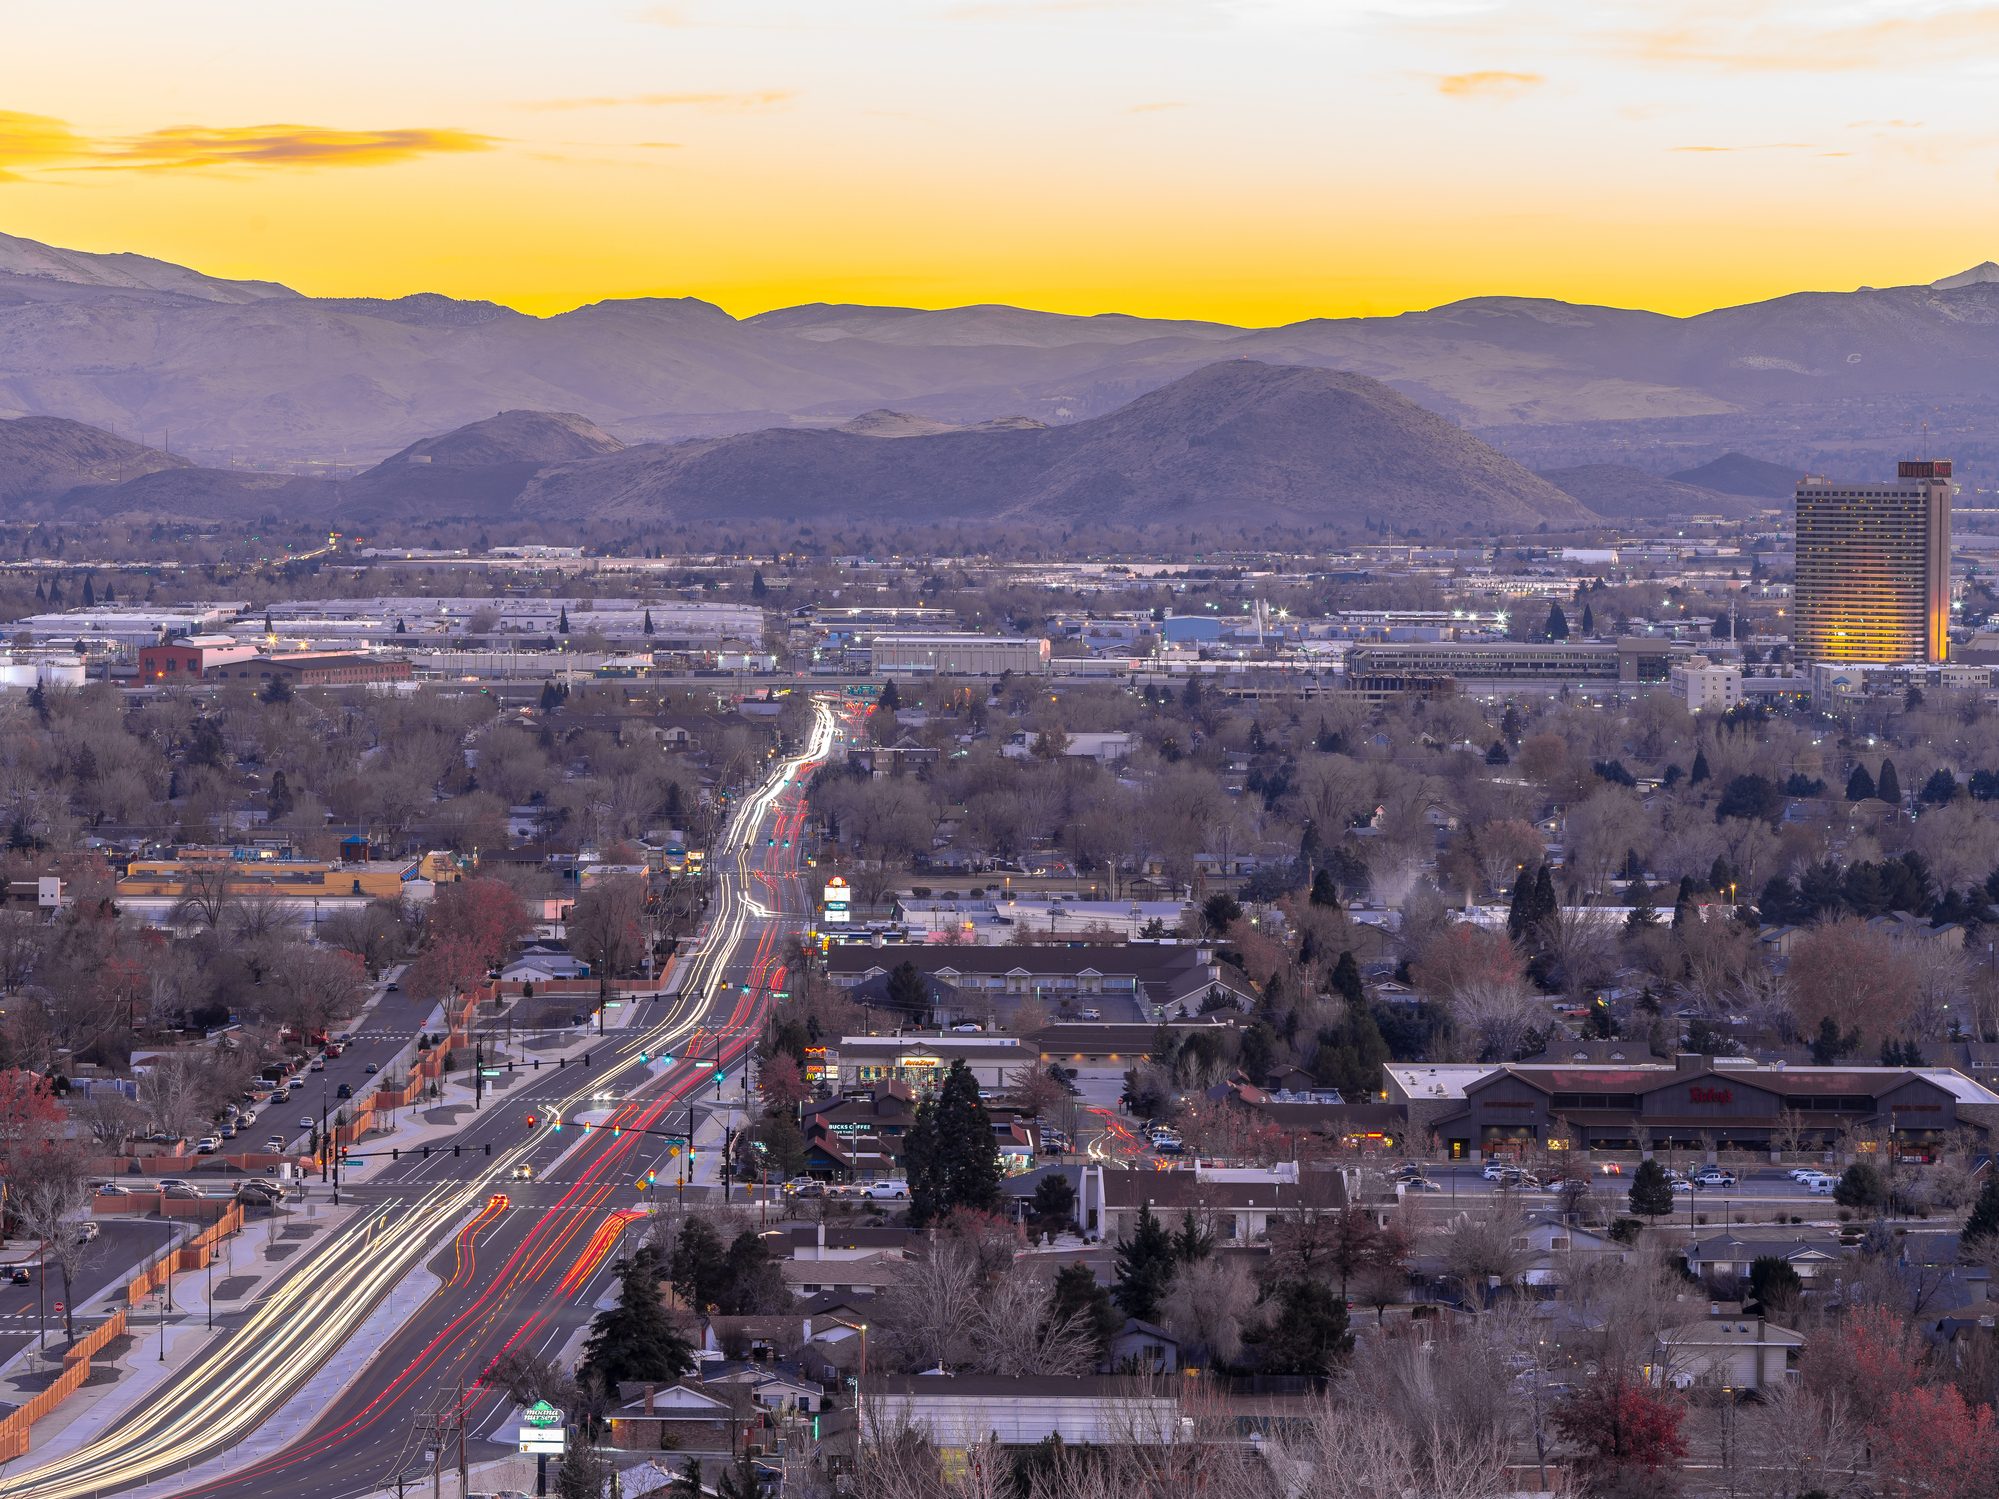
(541, 1432)
(837, 895)
(1698, 1094)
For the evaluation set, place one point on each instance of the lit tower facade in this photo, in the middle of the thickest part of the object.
(1874, 567)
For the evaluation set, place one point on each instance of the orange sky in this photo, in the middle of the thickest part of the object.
(1255, 161)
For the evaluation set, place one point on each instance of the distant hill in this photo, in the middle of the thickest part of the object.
(45, 457)
(1738, 473)
(1611, 489)
(479, 469)
(1255, 442)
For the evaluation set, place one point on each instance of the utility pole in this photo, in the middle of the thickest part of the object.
(478, 1072)
(464, 1482)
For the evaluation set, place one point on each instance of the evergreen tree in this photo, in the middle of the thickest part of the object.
(1497, 754)
(402, 625)
(1651, 1191)
(1324, 891)
(1558, 623)
(1192, 1242)
(645, 626)
(1307, 1333)
(890, 698)
(267, 623)
(758, 588)
(1829, 1046)
(1638, 896)
(739, 1480)
(1511, 724)
(949, 1152)
(1080, 1295)
(1683, 904)
(1520, 909)
(551, 697)
(1984, 1220)
(562, 624)
(1347, 982)
(584, 1473)
(908, 993)
(110, 594)
(755, 1285)
(1940, 789)
(1588, 621)
(1546, 906)
(699, 1267)
(278, 689)
(1889, 785)
(1700, 772)
(89, 593)
(1719, 876)
(280, 799)
(687, 1482)
(1772, 1278)
(636, 1339)
(1859, 785)
(1144, 1265)
(40, 596)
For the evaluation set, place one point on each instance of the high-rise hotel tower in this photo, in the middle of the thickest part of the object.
(1874, 567)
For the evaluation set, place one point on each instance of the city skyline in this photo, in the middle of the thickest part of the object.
(1250, 161)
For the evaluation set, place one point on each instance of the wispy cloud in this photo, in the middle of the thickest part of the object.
(754, 99)
(1156, 106)
(35, 140)
(281, 145)
(1025, 10)
(1759, 146)
(39, 141)
(1734, 38)
(1488, 83)
(657, 145)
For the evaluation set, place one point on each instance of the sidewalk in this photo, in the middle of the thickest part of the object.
(252, 1261)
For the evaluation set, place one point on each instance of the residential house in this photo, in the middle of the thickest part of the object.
(1730, 1350)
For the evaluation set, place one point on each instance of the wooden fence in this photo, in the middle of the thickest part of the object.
(15, 1425)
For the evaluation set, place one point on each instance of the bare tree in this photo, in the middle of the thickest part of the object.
(1014, 1333)
(51, 1198)
(1488, 1251)
(1208, 1304)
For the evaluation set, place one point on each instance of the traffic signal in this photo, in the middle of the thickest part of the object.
(666, 1057)
(558, 1124)
(489, 1149)
(586, 1059)
(617, 1130)
(530, 1121)
(456, 1149)
(643, 1058)
(395, 1153)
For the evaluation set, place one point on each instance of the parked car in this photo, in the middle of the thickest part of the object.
(1420, 1184)
(275, 1144)
(1092, 1014)
(208, 1145)
(1494, 1170)
(306, 1122)
(109, 1189)
(1713, 1176)
(86, 1232)
(317, 1064)
(883, 1191)
(180, 1189)
(1681, 1184)
(345, 1090)
(1825, 1186)
(18, 1275)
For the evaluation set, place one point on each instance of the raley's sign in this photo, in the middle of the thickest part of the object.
(1699, 1093)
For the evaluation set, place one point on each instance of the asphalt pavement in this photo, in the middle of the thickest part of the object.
(518, 1265)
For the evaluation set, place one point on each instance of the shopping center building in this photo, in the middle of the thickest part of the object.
(1693, 1103)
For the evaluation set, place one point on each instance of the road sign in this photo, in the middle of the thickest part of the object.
(58, 1308)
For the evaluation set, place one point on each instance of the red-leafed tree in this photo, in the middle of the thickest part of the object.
(782, 1085)
(1935, 1444)
(473, 926)
(1463, 956)
(1618, 1425)
(30, 1117)
(1866, 1358)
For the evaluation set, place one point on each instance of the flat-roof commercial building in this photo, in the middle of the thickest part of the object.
(1628, 659)
(1873, 569)
(957, 654)
(1694, 1104)
(315, 669)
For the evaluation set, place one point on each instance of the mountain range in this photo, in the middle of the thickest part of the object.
(249, 372)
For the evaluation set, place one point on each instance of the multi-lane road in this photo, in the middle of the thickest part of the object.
(519, 1264)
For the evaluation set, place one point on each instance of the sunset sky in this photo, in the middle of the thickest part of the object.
(1255, 161)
